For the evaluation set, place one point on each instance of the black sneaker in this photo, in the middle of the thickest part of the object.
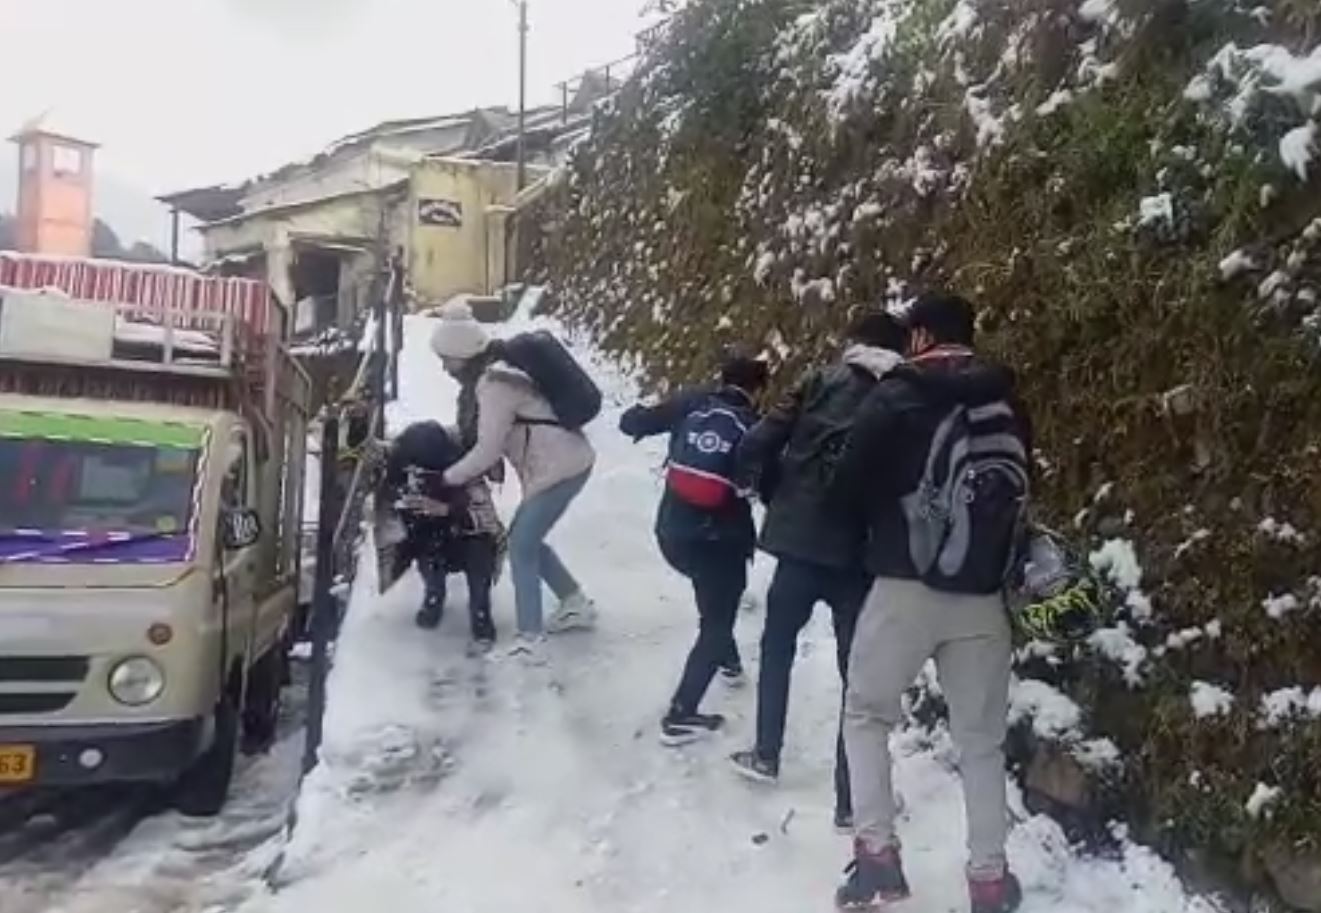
(733, 676)
(483, 629)
(428, 617)
(752, 766)
(872, 879)
(843, 821)
(684, 728)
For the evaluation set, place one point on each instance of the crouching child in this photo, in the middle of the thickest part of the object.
(447, 529)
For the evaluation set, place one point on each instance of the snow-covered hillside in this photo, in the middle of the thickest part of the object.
(457, 784)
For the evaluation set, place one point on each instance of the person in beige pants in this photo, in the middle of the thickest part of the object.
(940, 463)
(903, 623)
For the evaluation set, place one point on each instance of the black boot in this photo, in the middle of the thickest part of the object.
(483, 630)
(428, 617)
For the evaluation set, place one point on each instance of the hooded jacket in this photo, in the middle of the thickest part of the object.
(516, 422)
(886, 456)
(798, 444)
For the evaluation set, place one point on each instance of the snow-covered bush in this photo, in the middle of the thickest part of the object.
(1129, 189)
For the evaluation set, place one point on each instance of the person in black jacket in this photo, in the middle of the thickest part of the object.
(819, 557)
(940, 464)
(711, 547)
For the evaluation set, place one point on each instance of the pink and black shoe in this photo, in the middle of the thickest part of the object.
(872, 879)
(995, 895)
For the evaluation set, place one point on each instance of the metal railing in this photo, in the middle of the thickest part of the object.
(613, 75)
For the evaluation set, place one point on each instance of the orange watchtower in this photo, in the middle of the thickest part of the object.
(54, 191)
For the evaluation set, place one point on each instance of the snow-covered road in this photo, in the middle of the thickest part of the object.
(458, 785)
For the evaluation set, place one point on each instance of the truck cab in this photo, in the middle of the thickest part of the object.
(150, 506)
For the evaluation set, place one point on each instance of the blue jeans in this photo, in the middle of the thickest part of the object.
(531, 560)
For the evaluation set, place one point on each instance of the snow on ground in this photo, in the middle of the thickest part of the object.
(461, 785)
(169, 863)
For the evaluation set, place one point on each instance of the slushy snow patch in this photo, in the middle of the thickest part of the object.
(1210, 700)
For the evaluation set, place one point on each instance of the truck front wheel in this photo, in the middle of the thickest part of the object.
(202, 790)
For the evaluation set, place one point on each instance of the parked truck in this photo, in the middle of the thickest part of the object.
(153, 432)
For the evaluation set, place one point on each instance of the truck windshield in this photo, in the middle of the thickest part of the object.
(96, 489)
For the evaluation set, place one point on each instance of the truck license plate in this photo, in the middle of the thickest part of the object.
(18, 763)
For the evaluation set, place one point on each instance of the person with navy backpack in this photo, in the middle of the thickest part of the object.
(939, 466)
(704, 526)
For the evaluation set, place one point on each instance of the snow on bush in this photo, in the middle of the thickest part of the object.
(1053, 715)
(1278, 606)
(1118, 645)
(1117, 559)
(1210, 700)
(1260, 801)
(870, 149)
(1290, 704)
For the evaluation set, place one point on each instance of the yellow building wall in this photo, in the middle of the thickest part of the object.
(446, 259)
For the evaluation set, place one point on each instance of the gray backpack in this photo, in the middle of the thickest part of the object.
(966, 517)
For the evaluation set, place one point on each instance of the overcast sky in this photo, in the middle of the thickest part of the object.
(186, 92)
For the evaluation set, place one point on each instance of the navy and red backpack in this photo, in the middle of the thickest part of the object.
(701, 469)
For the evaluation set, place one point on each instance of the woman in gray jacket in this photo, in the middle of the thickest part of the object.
(502, 415)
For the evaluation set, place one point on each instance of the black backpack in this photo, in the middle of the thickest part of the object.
(573, 396)
(966, 516)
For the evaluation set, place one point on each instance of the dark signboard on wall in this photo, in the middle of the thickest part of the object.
(441, 213)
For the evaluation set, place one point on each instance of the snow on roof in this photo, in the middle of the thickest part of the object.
(220, 202)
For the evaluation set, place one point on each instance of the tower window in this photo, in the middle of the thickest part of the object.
(30, 157)
(67, 160)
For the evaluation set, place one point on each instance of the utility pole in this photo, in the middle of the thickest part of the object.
(174, 236)
(522, 93)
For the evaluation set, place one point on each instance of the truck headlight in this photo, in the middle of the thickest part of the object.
(136, 681)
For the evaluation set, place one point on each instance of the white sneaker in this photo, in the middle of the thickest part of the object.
(576, 613)
(528, 648)
(734, 679)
